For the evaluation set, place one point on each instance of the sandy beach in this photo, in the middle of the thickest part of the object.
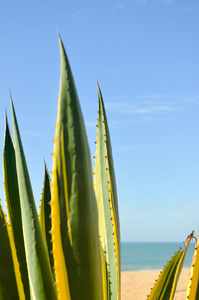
(137, 284)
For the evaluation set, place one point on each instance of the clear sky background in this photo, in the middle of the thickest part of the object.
(145, 55)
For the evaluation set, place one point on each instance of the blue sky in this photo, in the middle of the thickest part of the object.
(145, 55)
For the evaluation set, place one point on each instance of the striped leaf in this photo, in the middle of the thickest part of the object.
(193, 285)
(45, 216)
(39, 271)
(76, 246)
(9, 289)
(105, 276)
(13, 205)
(166, 284)
(163, 286)
(180, 264)
(106, 195)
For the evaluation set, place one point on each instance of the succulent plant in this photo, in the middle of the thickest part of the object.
(63, 253)
(71, 250)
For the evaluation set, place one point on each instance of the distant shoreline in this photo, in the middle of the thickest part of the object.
(151, 256)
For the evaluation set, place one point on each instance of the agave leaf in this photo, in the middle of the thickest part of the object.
(193, 285)
(106, 195)
(165, 286)
(45, 215)
(39, 271)
(8, 284)
(180, 264)
(13, 206)
(105, 276)
(76, 246)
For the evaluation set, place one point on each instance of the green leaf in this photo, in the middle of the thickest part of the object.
(75, 234)
(106, 195)
(180, 264)
(165, 286)
(105, 276)
(193, 285)
(39, 271)
(13, 206)
(8, 284)
(45, 215)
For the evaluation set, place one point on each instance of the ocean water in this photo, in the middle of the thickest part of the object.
(151, 256)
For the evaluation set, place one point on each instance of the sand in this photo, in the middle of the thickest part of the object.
(137, 284)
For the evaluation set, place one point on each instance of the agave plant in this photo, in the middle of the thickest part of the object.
(72, 249)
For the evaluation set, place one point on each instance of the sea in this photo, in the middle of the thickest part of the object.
(151, 256)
